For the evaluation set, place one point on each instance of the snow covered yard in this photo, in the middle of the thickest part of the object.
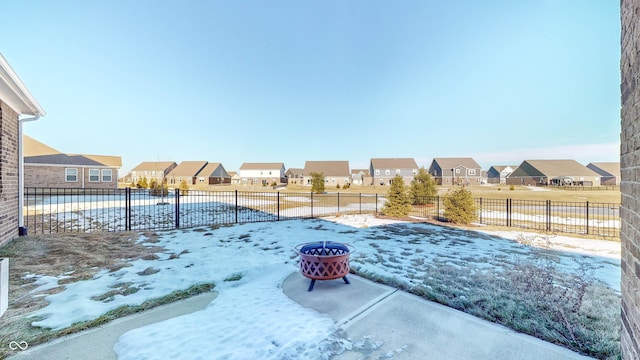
(252, 318)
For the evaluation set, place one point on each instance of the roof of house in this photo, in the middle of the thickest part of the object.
(210, 169)
(605, 168)
(188, 168)
(33, 147)
(450, 163)
(261, 166)
(552, 168)
(499, 168)
(153, 166)
(14, 93)
(394, 163)
(62, 159)
(358, 171)
(327, 168)
(39, 153)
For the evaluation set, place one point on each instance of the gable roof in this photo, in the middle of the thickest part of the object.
(213, 170)
(552, 168)
(33, 147)
(358, 171)
(188, 168)
(14, 93)
(261, 166)
(605, 168)
(153, 166)
(327, 168)
(394, 163)
(450, 163)
(62, 159)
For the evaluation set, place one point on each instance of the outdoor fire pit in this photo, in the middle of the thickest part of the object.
(324, 260)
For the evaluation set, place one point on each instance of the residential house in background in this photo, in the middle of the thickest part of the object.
(497, 174)
(235, 177)
(383, 170)
(149, 170)
(553, 172)
(47, 167)
(609, 172)
(361, 177)
(294, 176)
(456, 171)
(336, 173)
(262, 173)
(187, 171)
(213, 174)
(15, 100)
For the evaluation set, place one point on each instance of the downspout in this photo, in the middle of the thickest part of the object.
(22, 230)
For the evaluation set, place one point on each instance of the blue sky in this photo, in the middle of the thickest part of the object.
(290, 81)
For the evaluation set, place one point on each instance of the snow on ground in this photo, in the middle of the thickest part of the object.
(253, 314)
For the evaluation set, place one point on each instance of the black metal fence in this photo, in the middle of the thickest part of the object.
(86, 210)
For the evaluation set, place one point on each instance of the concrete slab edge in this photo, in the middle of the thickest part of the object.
(366, 309)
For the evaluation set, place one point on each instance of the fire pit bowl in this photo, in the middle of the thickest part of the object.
(324, 260)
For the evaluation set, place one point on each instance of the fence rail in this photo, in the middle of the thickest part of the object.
(87, 210)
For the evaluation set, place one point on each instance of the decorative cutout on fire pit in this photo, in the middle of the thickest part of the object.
(324, 260)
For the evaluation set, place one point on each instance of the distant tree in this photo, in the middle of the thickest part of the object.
(459, 207)
(423, 188)
(398, 199)
(184, 187)
(317, 182)
(143, 183)
(158, 189)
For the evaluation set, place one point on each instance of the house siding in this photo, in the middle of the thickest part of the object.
(55, 177)
(630, 179)
(9, 188)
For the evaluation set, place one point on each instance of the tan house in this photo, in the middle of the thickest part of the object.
(47, 167)
(553, 172)
(384, 170)
(235, 177)
(609, 172)
(156, 170)
(213, 174)
(15, 101)
(336, 173)
(262, 173)
(457, 171)
(187, 171)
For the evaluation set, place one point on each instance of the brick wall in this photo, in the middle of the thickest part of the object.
(8, 173)
(630, 182)
(54, 177)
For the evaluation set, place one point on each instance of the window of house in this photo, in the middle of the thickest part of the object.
(414, 172)
(107, 175)
(71, 175)
(397, 171)
(471, 171)
(457, 171)
(377, 171)
(94, 175)
(387, 172)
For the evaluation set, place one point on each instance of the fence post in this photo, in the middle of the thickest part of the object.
(360, 199)
(278, 211)
(587, 218)
(376, 203)
(236, 206)
(177, 196)
(127, 209)
(312, 204)
(438, 208)
(480, 210)
(338, 202)
(508, 213)
(548, 215)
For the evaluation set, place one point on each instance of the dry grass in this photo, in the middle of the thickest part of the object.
(78, 256)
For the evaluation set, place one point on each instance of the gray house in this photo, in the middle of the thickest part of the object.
(497, 174)
(457, 171)
(383, 170)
